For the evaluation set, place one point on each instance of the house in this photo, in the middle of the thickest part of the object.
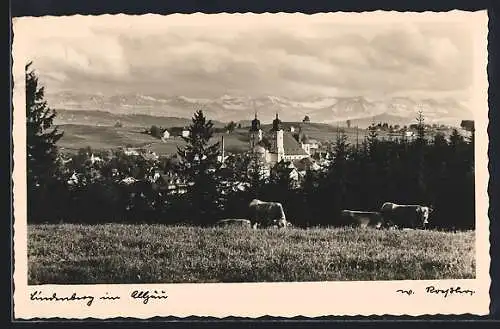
(303, 165)
(150, 156)
(311, 146)
(185, 133)
(165, 135)
(131, 151)
(294, 174)
(94, 159)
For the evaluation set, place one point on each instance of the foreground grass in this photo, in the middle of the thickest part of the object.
(154, 253)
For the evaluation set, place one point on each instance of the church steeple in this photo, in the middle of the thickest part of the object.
(255, 132)
(255, 123)
(277, 124)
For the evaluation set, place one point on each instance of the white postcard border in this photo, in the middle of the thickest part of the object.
(310, 299)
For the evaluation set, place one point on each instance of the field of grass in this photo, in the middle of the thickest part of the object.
(108, 137)
(114, 253)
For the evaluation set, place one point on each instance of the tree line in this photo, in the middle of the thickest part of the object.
(195, 187)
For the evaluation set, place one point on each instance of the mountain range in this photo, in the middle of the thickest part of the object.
(360, 110)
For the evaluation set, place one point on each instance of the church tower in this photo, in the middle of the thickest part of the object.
(277, 141)
(255, 132)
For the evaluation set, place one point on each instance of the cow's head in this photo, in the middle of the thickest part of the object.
(281, 223)
(424, 213)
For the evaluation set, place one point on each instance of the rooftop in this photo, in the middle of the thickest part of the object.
(291, 146)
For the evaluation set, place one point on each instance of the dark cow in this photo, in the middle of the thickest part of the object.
(267, 214)
(361, 218)
(406, 216)
(234, 222)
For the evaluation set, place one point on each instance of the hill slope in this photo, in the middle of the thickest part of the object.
(105, 118)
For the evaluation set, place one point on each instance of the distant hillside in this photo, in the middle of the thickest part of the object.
(226, 107)
(103, 118)
(384, 117)
(77, 136)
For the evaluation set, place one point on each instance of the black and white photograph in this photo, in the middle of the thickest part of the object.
(252, 149)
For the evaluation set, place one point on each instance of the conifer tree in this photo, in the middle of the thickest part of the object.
(310, 199)
(372, 139)
(337, 174)
(255, 176)
(41, 136)
(199, 164)
(280, 185)
(420, 148)
(280, 176)
(41, 154)
(420, 128)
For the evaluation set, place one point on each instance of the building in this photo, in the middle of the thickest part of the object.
(185, 133)
(275, 145)
(95, 159)
(311, 146)
(131, 151)
(165, 135)
(223, 156)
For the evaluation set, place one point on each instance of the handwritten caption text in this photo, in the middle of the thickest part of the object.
(143, 296)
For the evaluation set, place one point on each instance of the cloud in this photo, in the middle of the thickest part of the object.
(247, 54)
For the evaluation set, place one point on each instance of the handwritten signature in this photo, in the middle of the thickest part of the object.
(449, 291)
(408, 292)
(444, 292)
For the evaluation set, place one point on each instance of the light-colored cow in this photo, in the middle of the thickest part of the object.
(267, 214)
(406, 216)
(363, 219)
(234, 222)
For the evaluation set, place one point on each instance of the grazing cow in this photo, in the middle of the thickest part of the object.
(406, 216)
(282, 223)
(265, 214)
(234, 222)
(361, 218)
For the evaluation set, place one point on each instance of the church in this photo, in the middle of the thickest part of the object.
(277, 144)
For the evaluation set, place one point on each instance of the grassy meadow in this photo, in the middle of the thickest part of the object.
(77, 136)
(108, 137)
(115, 253)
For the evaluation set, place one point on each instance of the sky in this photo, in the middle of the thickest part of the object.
(291, 55)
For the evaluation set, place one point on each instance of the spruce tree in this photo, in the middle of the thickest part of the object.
(280, 177)
(337, 175)
(420, 148)
(199, 165)
(255, 176)
(41, 151)
(41, 136)
(372, 139)
(420, 128)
